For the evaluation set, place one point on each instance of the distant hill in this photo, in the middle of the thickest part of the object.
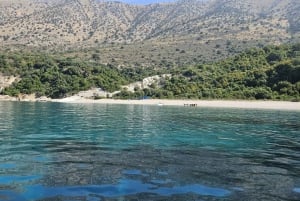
(183, 32)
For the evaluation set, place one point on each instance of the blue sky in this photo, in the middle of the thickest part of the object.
(144, 2)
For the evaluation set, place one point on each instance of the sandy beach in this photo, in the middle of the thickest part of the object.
(246, 104)
(273, 105)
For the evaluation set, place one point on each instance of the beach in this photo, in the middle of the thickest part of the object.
(246, 104)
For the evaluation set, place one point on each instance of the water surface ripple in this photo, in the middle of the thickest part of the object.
(56, 151)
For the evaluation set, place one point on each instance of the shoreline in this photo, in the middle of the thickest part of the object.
(241, 104)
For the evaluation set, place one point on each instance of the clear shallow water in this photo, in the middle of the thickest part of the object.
(55, 151)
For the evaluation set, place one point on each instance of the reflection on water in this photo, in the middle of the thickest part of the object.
(7, 166)
(51, 151)
(124, 187)
(146, 172)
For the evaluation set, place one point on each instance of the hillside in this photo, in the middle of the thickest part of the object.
(184, 32)
(271, 72)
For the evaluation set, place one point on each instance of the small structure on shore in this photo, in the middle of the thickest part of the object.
(190, 105)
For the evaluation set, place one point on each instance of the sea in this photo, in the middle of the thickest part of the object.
(102, 152)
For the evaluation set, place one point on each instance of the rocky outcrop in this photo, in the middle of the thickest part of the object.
(147, 82)
(6, 81)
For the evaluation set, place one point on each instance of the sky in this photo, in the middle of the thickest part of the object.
(144, 2)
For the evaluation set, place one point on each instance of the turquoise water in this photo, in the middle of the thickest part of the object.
(56, 151)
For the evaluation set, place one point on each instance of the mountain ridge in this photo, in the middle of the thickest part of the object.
(187, 25)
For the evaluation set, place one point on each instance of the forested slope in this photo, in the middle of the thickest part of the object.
(271, 72)
(266, 73)
(56, 77)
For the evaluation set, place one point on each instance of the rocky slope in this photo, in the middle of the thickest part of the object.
(161, 31)
(6, 81)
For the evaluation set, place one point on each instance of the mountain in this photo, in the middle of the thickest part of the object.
(161, 34)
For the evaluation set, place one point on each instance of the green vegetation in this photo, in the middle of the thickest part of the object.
(266, 73)
(271, 72)
(56, 77)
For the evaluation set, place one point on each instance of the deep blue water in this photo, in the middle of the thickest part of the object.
(56, 151)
